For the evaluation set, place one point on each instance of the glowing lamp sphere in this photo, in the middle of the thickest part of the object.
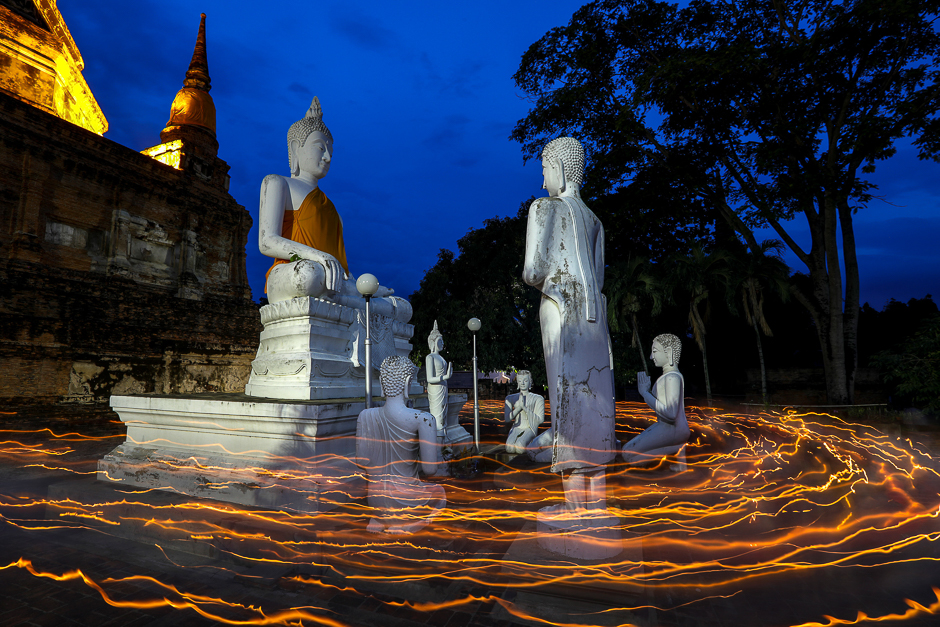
(473, 324)
(367, 284)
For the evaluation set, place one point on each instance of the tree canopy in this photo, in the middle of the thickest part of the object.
(757, 111)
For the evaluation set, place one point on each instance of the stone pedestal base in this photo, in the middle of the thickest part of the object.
(294, 455)
(586, 535)
(313, 349)
(454, 435)
(231, 447)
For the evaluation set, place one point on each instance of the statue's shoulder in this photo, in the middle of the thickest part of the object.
(274, 180)
(426, 418)
(544, 203)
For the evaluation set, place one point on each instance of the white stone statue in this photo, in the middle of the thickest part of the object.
(438, 372)
(564, 259)
(391, 442)
(526, 410)
(300, 227)
(670, 432)
(313, 343)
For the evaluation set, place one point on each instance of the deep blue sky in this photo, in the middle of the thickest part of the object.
(420, 100)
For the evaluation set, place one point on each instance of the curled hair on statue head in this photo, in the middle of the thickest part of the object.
(571, 153)
(303, 128)
(668, 340)
(394, 374)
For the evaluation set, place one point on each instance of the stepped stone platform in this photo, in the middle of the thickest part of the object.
(290, 455)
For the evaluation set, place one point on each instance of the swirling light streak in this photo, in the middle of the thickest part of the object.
(761, 498)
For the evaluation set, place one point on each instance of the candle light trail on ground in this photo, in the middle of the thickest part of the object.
(772, 501)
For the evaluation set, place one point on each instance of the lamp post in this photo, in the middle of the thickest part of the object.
(474, 325)
(367, 285)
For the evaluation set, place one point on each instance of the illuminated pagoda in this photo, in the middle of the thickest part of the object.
(189, 141)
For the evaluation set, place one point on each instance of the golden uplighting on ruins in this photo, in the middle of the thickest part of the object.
(41, 64)
(168, 153)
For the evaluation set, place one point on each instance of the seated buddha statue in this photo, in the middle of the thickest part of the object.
(392, 443)
(300, 227)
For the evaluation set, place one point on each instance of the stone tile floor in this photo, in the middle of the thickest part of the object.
(165, 577)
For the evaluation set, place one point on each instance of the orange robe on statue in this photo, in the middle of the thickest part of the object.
(317, 225)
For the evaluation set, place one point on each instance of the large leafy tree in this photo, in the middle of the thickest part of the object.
(765, 111)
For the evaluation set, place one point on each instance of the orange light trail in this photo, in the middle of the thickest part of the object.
(765, 500)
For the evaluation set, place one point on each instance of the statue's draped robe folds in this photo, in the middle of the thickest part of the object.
(671, 429)
(389, 452)
(437, 392)
(527, 423)
(565, 261)
(315, 224)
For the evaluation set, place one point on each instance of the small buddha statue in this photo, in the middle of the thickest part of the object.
(670, 432)
(300, 227)
(438, 373)
(526, 410)
(391, 442)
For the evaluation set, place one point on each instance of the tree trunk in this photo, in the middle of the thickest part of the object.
(836, 331)
(760, 357)
(836, 385)
(639, 345)
(852, 309)
(708, 383)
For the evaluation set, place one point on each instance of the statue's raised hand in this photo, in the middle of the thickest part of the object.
(642, 383)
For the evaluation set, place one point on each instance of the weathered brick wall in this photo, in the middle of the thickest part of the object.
(117, 273)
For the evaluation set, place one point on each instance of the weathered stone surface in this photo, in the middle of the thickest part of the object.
(118, 274)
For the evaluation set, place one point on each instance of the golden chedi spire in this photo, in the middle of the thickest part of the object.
(189, 141)
(193, 106)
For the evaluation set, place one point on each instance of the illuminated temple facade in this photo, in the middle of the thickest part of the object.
(120, 272)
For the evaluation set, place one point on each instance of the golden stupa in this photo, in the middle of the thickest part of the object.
(191, 127)
(193, 104)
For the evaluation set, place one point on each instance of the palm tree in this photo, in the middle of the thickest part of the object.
(755, 271)
(631, 286)
(697, 274)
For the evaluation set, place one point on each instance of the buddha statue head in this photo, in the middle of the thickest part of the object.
(310, 135)
(524, 380)
(562, 165)
(667, 352)
(435, 339)
(394, 375)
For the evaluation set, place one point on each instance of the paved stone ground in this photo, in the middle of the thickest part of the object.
(27, 599)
